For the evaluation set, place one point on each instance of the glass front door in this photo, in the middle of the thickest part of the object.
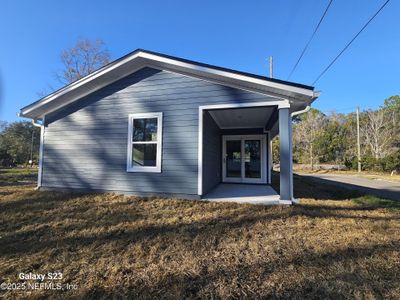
(233, 159)
(252, 158)
(243, 159)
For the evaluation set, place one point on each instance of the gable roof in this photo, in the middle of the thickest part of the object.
(140, 58)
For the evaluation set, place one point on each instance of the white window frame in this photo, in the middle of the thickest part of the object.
(263, 152)
(157, 168)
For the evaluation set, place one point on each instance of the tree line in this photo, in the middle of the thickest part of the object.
(332, 138)
(19, 143)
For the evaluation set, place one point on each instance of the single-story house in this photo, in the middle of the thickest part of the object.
(153, 124)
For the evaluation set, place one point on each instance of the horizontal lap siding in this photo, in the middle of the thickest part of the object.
(212, 153)
(86, 143)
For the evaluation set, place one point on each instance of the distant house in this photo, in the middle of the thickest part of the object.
(152, 124)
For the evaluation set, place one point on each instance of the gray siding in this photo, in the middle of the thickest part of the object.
(212, 153)
(86, 143)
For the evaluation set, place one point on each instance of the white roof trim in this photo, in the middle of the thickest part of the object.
(150, 59)
(226, 74)
(80, 82)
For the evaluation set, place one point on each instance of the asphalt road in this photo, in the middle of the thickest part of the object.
(378, 187)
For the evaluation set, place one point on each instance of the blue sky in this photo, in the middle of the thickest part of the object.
(234, 34)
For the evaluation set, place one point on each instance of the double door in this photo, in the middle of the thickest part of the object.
(244, 159)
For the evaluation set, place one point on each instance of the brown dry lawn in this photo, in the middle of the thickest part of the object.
(333, 245)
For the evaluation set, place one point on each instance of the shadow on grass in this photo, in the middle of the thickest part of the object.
(322, 189)
(36, 226)
(241, 280)
(37, 201)
(181, 231)
(51, 207)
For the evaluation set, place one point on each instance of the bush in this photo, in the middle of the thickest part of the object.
(369, 163)
(351, 163)
(391, 162)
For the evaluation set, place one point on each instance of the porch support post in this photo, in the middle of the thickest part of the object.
(285, 150)
(270, 159)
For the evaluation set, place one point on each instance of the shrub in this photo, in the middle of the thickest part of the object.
(391, 162)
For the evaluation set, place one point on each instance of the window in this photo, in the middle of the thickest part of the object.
(144, 142)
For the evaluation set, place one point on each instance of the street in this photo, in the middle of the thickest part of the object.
(378, 187)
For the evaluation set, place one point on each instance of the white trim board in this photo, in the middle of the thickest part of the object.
(284, 103)
(220, 82)
(41, 153)
(141, 58)
(280, 104)
(270, 161)
(145, 169)
(223, 73)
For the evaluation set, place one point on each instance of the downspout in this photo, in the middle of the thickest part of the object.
(296, 113)
(308, 107)
(40, 171)
(35, 123)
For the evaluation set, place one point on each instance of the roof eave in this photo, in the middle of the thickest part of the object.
(140, 59)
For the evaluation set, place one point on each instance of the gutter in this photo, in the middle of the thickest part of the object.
(35, 123)
(296, 113)
(308, 107)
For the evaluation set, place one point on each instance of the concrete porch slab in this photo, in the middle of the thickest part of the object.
(244, 193)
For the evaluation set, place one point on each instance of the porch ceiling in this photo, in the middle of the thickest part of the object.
(254, 117)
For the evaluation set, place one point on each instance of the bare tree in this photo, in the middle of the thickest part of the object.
(377, 133)
(82, 59)
(306, 133)
(45, 91)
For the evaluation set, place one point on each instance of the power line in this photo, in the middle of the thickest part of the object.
(352, 40)
(311, 38)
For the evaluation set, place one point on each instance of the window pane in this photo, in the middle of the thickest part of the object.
(252, 160)
(233, 159)
(144, 130)
(144, 155)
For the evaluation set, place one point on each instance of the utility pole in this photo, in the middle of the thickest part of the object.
(358, 141)
(271, 67)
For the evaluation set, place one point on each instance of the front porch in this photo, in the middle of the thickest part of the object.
(235, 152)
(245, 193)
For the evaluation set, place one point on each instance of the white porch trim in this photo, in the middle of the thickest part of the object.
(284, 103)
(270, 161)
(41, 152)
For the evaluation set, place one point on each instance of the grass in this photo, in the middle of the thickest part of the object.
(335, 244)
(374, 202)
(18, 176)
